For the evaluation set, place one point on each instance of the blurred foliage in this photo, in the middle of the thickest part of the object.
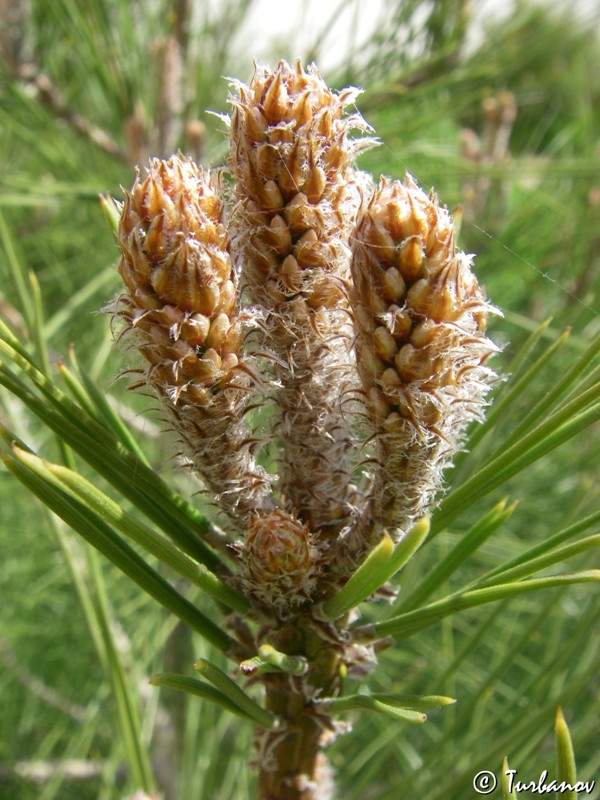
(87, 89)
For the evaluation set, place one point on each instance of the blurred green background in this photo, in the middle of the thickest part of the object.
(502, 117)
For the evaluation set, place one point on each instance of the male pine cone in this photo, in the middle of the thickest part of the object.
(181, 309)
(292, 158)
(420, 320)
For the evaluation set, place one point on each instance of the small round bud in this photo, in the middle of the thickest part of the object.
(278, 559)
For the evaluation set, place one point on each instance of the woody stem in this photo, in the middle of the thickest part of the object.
(291, 756)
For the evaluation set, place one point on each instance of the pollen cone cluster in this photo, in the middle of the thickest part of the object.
(181, 309)
(298, 192)
(319, 293)
(420, 320)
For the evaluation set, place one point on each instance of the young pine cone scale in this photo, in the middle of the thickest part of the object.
(292, 161)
